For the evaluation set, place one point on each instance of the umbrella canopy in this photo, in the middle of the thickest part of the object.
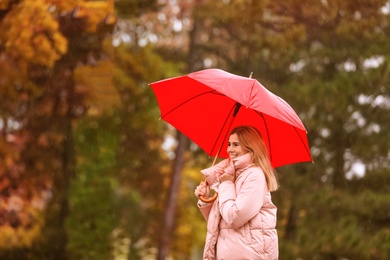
(206, 105)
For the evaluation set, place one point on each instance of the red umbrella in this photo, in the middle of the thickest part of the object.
(206, 105)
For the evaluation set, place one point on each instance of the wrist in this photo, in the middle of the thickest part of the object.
(202, 204)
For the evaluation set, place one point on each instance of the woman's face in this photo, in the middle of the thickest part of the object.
(234, 148)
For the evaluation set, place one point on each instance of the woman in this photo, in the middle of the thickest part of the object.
(241, 222)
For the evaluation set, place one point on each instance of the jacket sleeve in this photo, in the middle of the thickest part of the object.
(209, 173)
(205, 209)
(238, 209)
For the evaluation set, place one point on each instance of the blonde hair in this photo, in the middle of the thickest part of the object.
(250, 139)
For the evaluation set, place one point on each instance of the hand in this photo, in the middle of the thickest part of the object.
(228, 174)
(229, 169)
(202, 190)
(226, 177)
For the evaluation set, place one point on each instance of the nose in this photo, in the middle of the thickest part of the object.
(230, 149)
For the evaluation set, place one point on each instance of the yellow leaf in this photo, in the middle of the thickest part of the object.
(97, 81)
(32, 34)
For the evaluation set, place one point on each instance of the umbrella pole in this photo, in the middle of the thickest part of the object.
(236, 109)
(214, 197)
(216, 156)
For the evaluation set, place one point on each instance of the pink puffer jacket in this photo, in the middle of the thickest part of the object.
(241, 222)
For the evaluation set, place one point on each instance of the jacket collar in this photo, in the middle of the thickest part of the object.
(242, 163)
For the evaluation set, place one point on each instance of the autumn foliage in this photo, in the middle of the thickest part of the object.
(85, 164)
(34, 36)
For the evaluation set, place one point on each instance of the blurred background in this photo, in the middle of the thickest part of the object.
(88, 171)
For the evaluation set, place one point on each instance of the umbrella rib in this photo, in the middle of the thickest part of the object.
(220, 131)
(306, 148)
(269, 139)
(188, 100)
(250, 94)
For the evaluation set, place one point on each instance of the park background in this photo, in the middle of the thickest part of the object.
(88, 171)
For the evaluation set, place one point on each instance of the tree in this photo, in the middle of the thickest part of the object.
(93, 214)
(45, 41)
(92, 195)
(329, 61)
(141, 160)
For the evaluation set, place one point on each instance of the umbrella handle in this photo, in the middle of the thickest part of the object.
(214, 197)
(208, 200)
(211, 199)
(202, 198)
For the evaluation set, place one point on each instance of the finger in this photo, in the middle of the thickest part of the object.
(197, 193)
(200, 190)
(203, 184)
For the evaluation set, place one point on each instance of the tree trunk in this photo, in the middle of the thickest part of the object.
(291, 225)
(339, 180)
(58, 209)
(170, 210)
(169, 221)
(5, 128)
